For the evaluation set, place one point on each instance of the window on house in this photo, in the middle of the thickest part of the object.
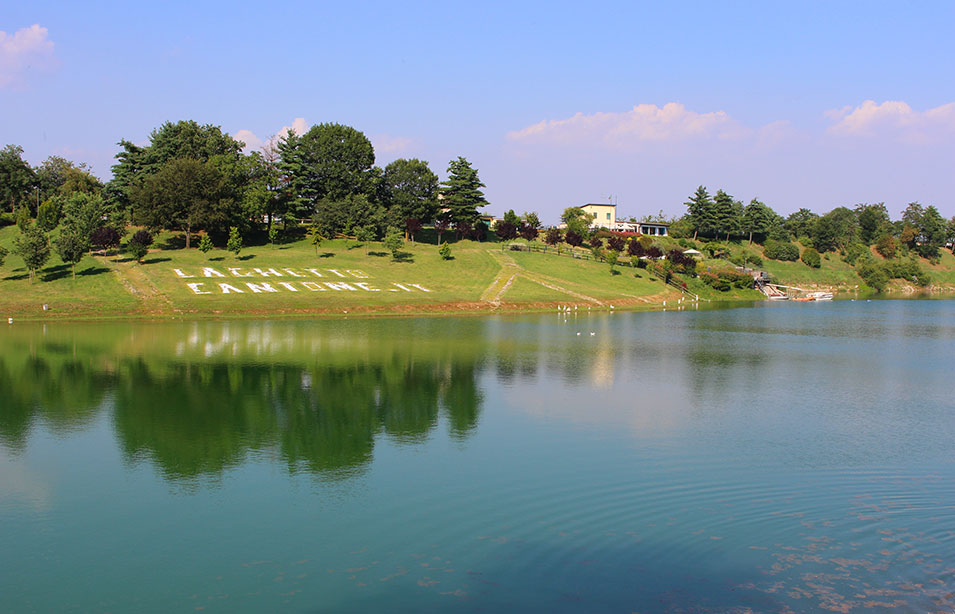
(608, 215)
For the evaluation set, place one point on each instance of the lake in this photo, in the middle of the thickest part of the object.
(775, 458)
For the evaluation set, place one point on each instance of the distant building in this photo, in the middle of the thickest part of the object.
(605, 216)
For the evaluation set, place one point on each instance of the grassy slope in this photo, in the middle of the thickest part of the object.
(115, 286)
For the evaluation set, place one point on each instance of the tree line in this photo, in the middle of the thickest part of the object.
(195, 178)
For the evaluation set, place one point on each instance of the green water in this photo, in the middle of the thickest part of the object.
(777, 458)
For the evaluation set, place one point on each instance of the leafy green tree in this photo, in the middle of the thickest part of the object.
(702, 213)
(364, 235)
(234, 244)
(171, 141)
(51, 174)
(531, 219)
(205, 243)
(511, 218)
(757, 220)
(933, 233)
(329, 161)
(800, 223)
(315, 238)
(34, 247)
(411, 191)
(873, 222)
(273, 234)
(950, 233)
(83, 213)
(835, 230)
(577, 221)
(16, 178)
(186, 194)
(23, 218)
(394, 242)
(70, 247)
(462, 194)
(887, 246)
(445, 251)
(48, 214)
(611, 257)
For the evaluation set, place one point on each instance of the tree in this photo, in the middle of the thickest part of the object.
(83, 213)
(577, 221)
(34, 247)
(873, 222)
(800, 223)
(757, 219)
(48, 214)
(3, 254)
(394, 242)
(328, 161)
(70, 247)
(528, 232)
(811, 258)
(139, 244)
(835, 230)
(552, 237)
(616, 243)
(441, 226)
(412, 225)
(727, 214)
(16, 177)
(462, 195)
(512, 218)
(234, 244)
(105, 237)
(700, 208)
(411, 191)
(23, 218)
(205, 244)
(506, 231)
(950, 232)
(187, 194)
(573, 239)
(635, 249)
(445, 251)
(273, 234)
(315, 238)
(531, 219)
(612, 256)
(932, 233)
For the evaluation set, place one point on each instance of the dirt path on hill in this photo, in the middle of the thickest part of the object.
(510, 271)
(137, 283)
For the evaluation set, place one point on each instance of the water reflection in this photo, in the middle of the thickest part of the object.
(200, 415)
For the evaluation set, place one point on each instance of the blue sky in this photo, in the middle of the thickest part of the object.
(800, 104)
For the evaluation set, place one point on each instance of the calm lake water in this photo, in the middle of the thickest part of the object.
(785, 457)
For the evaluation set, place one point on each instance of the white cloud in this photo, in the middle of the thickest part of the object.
(254, 143)
(895, 119)
(643, 123)
(26, 51)
(384, 143)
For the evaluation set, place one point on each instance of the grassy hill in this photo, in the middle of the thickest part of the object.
(338, 278)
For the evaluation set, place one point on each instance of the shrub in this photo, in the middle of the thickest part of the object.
(887, 246)
(754, 260)
(654, 252)
(205, 244)
(506, 231)
(874, 275)
(736, 279)
(854, 252)
(596, 243)
(445, 251)
(615, 243)
(3, 254)
(811, 258)
(781, 250)
(573, 239)
(715, 282)
(738, 258)
(552, 236)
(7, 219)
(234, 244)
(139, 245)
(635, 248)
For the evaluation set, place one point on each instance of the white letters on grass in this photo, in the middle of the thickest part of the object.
(295, 283)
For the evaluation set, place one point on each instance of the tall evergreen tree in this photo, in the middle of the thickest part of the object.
(726, 214)
(701, 212)
(757, 219)
(461, 193)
